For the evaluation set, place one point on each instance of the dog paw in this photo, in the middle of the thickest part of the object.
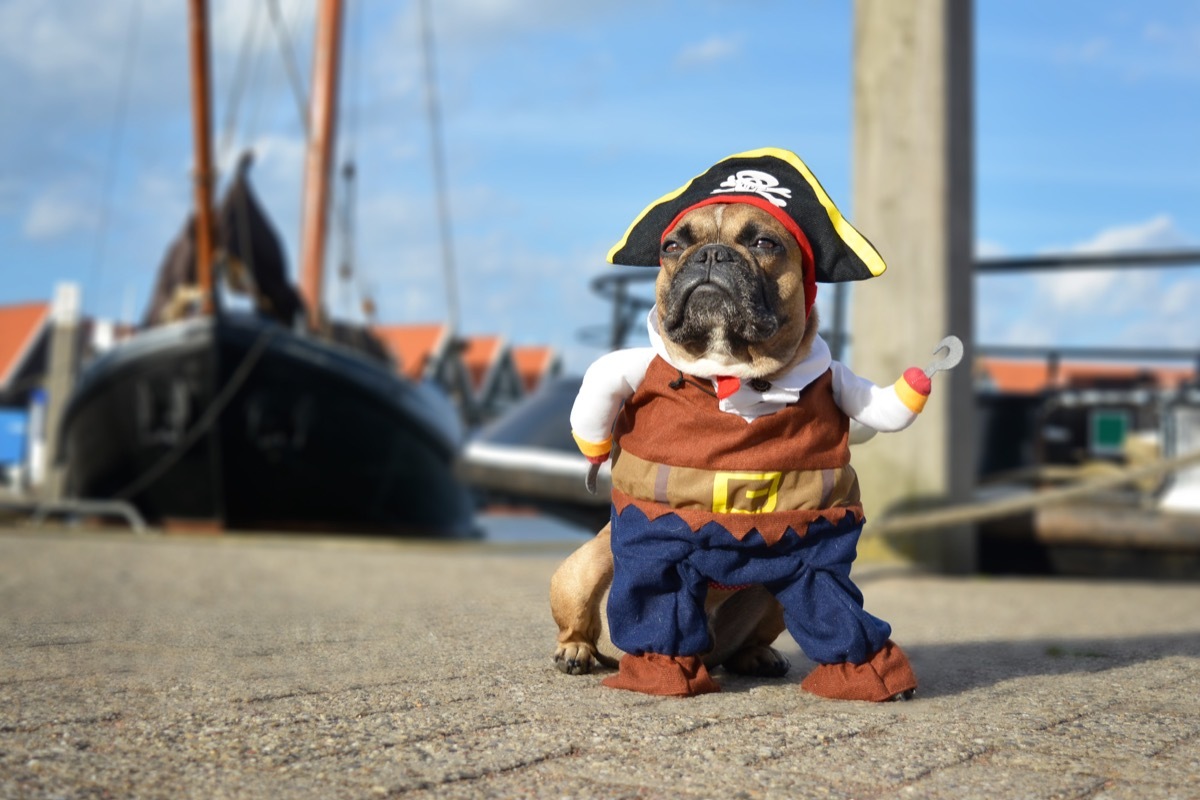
(575, 658)
(758, 661)
(901, 697)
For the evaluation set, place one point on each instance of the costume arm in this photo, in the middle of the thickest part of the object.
(890, 408)
(608, 382)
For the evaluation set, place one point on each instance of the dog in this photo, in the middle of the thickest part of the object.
(735, 511)
(730, 296)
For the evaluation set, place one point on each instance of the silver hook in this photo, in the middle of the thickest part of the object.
(590, 481)
(954, 353)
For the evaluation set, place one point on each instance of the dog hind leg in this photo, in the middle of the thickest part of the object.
(743, 626)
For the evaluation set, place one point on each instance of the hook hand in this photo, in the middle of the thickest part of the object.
(954, 353)
(590, 481)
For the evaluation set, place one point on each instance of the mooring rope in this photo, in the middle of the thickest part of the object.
(206, 420)
(968, 513)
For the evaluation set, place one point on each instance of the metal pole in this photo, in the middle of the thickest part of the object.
(60, 381)
(837, 341)
(913, 139)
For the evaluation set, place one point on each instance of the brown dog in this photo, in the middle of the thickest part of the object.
(730, 298)
(736, 512)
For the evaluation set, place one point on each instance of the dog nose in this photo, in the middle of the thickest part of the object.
(711, 254)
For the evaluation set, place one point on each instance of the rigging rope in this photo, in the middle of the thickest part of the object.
(437, 153)
(206, 420)
(242, 74)
(348, 273)
(346, 212)
(114, 149)
(290, 63)
(355, 93)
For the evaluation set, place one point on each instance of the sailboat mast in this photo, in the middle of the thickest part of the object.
(202, 139)
(319, 160)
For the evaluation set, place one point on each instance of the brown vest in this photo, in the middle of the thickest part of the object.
(676, 451)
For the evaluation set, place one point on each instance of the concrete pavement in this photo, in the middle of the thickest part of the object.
(321, 667)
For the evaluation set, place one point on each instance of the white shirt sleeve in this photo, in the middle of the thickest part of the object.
(608, 382)
(874, 406)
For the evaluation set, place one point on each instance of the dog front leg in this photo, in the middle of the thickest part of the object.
(575, 593)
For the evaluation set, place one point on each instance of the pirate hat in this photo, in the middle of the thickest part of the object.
(780, 183)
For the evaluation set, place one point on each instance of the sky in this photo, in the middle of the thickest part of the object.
(563, 120)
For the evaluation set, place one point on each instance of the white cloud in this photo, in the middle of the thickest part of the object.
(470, 26)
(76, 56)
(1107, 290)
(1172, 50)
(1077, 288)
(1157, 233)
(282, 155)
(1171, 320)
(1026, 331)
(710, 51)
(1132, 307)
(60, 44)
(1085, 52)
(58, 212)
(232, 19)
(988, 249)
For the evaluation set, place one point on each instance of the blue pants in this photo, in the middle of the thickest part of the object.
(662, 569)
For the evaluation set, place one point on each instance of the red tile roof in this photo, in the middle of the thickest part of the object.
(532, 364)
(19, 328)
(412, 345)
(1013, 376)
(479, 353)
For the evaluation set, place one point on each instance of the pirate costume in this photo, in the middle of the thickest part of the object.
(729, 483)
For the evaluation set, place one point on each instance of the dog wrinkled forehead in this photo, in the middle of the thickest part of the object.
(780, 183)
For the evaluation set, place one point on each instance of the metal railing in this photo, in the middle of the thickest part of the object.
(629, 306)
(1148, 259)
(1054, 354)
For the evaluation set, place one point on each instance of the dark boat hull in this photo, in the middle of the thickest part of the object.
(240, 422)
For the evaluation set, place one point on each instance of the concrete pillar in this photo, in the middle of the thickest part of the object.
(60, 380)
(913, 199)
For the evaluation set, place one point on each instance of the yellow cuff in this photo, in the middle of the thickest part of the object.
(593, 449)
(912, 399)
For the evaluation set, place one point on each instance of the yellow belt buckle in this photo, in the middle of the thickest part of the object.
(768, 488)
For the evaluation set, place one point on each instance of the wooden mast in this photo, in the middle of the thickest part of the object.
(319, 160)
(202, 137)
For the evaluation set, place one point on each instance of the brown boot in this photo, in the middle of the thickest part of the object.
(886, 676)
(672, 676)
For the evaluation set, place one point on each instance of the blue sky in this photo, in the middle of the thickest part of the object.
(563, 120)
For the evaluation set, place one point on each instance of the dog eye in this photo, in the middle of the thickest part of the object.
(671, 246)
(763, 243)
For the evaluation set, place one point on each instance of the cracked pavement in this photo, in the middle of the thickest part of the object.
(231, 667)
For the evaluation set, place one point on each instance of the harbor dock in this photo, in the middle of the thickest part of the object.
(148, 666)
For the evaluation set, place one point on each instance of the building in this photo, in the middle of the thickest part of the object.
(1047, 411)
(23, 344)
(535, 365)
(481, 373)
(1036, 376)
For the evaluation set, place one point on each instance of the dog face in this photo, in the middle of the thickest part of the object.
(730, 293)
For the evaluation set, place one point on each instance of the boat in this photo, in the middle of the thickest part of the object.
(269, 419)
(526, 458)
